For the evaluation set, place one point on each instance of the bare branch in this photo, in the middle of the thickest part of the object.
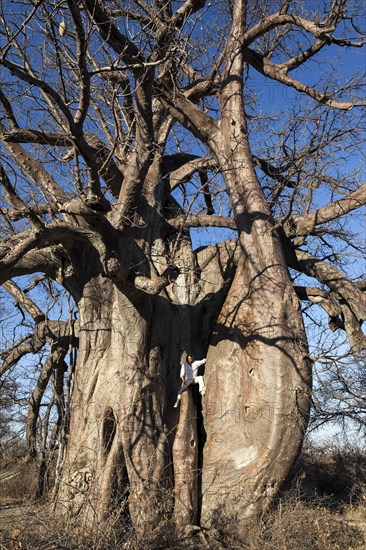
(319, 297)
(189, 7)
(352, 302)
(17, 203)
(110, 33)
(27, 77)
(279, 73)
(24, 300)
(194, 119)
(55, 360)
(16, 249)
(278, 19)
(202, 220)
(96, 149)
(300, 59)
(186, 171)
(333, 278)
(18, 350)
(45, 331)
(84, 81)
(305, 225)
(135, 16)
(8, 109)
(35, 171)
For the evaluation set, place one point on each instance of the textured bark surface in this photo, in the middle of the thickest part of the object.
(257, 375)
(256, 404)
(121, 441)
(117, 436)
(185, 462)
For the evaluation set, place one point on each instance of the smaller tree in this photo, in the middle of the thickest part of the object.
(7, 390)
(340, 396)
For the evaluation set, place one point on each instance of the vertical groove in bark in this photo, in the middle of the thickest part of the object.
(185, 460)
(109, 430)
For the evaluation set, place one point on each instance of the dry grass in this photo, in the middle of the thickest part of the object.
(293, 526)
(325, 509)
(17, 483)
(299, 526)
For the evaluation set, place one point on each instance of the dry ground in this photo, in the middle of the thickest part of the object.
(294, 527)
(324, 509)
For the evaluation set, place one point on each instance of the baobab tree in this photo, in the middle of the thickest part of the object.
(124, 126)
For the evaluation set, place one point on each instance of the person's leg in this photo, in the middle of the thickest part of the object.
(186, 384)
(201, 385)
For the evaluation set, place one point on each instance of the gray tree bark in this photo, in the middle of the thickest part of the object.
(185, 463)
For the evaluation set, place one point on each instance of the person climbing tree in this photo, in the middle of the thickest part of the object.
(188, 374)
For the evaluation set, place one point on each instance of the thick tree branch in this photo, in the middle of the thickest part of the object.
(350, 297)
(300, 59)
(189, 115)
(189, 7)
(45, 261)
(55, 360)
(39, 211)
(186, 171)
(335, 280)
(152, 285)
(200, 89)
(109, 32)
(278, 174)
(206, 192)
(27, 135)
(10, 357)
(36, 172)
(81, 49)
(16, 249)
(8, 110)
(24, 301)
(202, 220)
(279, 19)
(323, 299)
(305, 225)
(45, 331)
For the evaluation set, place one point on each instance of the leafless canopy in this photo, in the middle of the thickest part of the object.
(115, 120)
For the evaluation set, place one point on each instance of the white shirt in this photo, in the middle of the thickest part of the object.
(189, 372)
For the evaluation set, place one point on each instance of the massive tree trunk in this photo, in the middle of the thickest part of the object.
(116, 451)
(258, 382)
(257, 375)
(257, 378)
(256, 405)
(119, 451)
